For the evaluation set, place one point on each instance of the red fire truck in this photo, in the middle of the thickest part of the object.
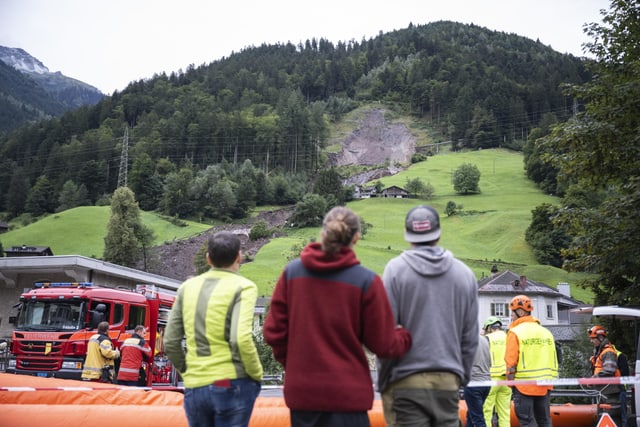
(56, 320)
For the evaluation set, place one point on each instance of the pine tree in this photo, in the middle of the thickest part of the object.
(124, 230)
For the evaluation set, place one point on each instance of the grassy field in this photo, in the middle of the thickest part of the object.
(81, 231)
(490, 230)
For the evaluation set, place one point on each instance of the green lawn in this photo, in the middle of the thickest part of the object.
(493, 233)
(81, 231)
(490, 229)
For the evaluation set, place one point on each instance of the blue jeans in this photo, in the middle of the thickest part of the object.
(213, 406)
(475, 397)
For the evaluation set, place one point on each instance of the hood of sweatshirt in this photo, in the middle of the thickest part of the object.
(315, 259)
(428, 260)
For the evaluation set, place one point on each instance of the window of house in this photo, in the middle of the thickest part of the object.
(549, 311)
(499, 309)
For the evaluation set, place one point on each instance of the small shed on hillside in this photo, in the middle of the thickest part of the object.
(24, 250)
(395, 191)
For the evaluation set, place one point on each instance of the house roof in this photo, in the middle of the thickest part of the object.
(396, 188)
(25, 250)
(509, 282)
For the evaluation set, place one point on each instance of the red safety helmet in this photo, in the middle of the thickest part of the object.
(597, 331)
(521, 301)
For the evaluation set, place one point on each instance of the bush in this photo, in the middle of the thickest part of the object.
(451, 208)
(260, 230)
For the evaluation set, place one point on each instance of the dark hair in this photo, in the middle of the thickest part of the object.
(339, 226)
(223, 248)
(103, 327)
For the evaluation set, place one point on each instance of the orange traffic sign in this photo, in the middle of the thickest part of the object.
(606, 421)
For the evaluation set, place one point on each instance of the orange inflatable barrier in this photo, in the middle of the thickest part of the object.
(36, 402)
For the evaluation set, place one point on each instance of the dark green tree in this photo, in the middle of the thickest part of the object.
(309, 211)
(17, 192)
(599, 149)
(466, 179)
(124, 230)
(329, 183)
(176, 197)
(417, 188)
(41, 199)
(72, 195)
(145, 182)
(546, 238)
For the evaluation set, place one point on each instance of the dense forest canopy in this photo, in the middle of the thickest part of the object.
(251, 127)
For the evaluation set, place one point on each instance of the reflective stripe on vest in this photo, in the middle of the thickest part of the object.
(498, 347)
(537, 359)
(609, 348)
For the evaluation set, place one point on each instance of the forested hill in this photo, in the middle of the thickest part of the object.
(274, 105)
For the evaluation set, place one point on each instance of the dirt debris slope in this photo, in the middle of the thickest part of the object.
(376, 141)
(176, 259)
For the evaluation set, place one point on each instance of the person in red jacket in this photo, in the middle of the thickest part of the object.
(133, 352)
(325, 309)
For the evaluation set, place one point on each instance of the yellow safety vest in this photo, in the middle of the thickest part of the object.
(497, 346)
(537, 359)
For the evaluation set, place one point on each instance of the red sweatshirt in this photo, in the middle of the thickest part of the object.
(323, 310)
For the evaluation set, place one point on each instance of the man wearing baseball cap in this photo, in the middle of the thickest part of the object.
(434, 296)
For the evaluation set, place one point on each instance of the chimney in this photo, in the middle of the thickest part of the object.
(564, 289)
(523, 282)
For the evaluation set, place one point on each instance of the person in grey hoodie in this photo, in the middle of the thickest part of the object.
(434, 296)
(474, 396)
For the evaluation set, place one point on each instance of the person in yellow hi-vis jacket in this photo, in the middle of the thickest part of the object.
(100, 360)
(214, 312)
(530, 355)
(499, 397)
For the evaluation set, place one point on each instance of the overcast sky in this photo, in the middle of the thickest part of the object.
(109, 43)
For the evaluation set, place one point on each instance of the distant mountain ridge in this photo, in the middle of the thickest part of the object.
(22, 61)
(30, 92)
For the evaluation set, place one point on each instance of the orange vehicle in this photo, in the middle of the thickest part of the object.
(56, 320)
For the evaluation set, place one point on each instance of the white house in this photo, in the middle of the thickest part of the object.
(550, 306)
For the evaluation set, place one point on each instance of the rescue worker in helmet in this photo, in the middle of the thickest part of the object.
(604, 363)
(499, 397)
(101, 354)
(528, 340)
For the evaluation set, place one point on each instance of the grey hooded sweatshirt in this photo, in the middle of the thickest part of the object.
(435, 297)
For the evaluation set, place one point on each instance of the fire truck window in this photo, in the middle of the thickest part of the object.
(136, 316)
(118, 314)
(100, 311)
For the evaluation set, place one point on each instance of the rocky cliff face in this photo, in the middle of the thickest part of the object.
(22, 61)
(67, 92)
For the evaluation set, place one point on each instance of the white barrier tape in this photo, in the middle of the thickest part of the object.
(559, 381)
(126, 388)
(553, 382)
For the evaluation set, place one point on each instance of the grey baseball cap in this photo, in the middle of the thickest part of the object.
(422, 224)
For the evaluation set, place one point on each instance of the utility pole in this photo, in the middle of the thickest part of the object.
(124, 160)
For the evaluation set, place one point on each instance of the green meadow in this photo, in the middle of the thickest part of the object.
(81, 231)
(489, 230)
